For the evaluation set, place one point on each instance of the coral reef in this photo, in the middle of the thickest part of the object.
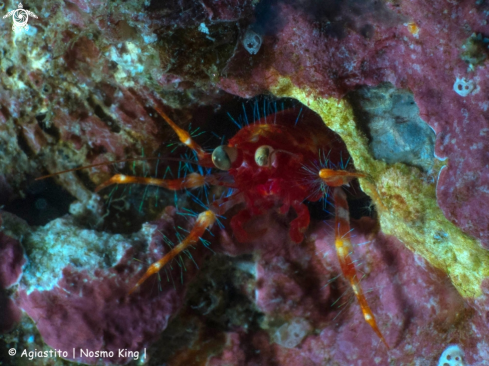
(405, 85)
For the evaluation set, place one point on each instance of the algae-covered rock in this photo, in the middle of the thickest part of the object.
(405, 198)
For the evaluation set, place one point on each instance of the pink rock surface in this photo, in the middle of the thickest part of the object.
(333, 52)
(227, 10)
(12, 260)
(93, 311)
(417, 309)
(368, 50)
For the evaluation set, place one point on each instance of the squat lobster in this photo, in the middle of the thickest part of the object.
(269, 165)
(265, 163)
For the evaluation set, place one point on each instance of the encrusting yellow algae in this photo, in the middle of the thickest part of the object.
(405, 198)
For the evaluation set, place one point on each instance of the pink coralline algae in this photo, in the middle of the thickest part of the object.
(12, 260)
(299, 287)
(90, 309)
(81, 88)
(382, 49)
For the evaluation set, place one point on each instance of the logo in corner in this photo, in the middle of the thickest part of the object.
(20, 17)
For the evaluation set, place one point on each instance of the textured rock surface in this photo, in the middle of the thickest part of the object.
(413, 303)
(405, 198)
(79, 297)
(331, 49)
(390, 118)
(333, 58)
(12, 260)
(79, 88)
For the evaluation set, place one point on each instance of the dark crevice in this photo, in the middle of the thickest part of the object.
(47, 89)
(5, 111)
(24, 146)
(85, 179)
(104, 117)
(50, 129)
(43, 202)
(361, 205)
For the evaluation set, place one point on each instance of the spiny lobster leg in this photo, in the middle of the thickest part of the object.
(205, 220)
(191, 180)
(344, 248)
(205, 159)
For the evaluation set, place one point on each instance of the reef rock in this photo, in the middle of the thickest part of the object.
(12, 260)
(76, 288)
(80, 87)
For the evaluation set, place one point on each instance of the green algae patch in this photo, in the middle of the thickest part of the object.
(405, 198)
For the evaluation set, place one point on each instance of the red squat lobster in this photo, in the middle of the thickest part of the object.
(265, 164)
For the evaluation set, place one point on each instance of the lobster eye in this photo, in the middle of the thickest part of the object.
(224, 156)
(262, 155)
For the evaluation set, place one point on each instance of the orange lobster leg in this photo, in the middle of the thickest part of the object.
(344, 248)
(192, 180)
(205, 159)
(205, 220)
(338, 178)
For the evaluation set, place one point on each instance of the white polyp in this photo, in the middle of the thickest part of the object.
(463, 87)
(452, 356)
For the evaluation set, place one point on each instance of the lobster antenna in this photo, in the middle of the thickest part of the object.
(115, 162)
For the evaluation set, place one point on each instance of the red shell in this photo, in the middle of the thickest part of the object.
(285, 180)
